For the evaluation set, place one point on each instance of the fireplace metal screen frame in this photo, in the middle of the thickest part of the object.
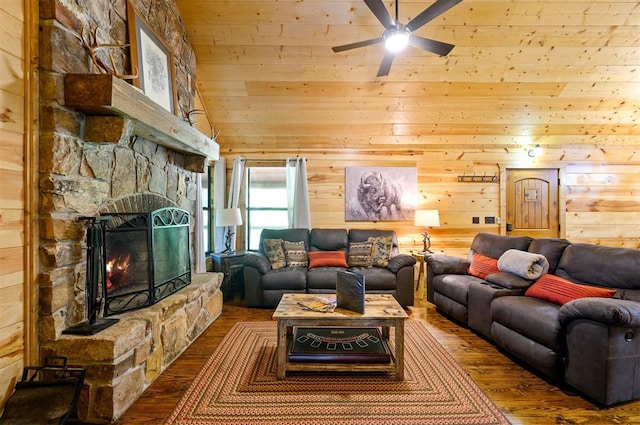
(149, 225)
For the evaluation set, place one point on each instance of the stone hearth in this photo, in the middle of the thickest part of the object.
(123, 360)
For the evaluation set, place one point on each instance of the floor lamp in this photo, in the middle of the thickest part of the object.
(426, 219)
(229, 218)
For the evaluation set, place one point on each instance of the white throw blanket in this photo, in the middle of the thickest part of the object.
(524, 264)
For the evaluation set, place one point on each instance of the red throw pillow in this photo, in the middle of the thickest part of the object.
(327, 259)
(482, 266)
(560, 291)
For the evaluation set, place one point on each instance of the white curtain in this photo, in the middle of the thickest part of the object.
(218, 201)
(237, 174)
(199, 260)
(236, 182)
(298, 193)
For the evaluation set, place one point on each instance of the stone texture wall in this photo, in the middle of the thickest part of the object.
(79, 178)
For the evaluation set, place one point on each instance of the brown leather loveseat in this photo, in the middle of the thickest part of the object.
(265, 282)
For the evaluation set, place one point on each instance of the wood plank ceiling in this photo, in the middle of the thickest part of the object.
(563, 72)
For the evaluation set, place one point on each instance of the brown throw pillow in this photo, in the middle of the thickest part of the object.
(295, 254)
(381, 250)
(360, 254)
(275, 253)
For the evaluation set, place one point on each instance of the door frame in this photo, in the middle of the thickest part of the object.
(562, 204)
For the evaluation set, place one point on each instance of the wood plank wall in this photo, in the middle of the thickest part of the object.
(600, 186)
(12, 205)
(559, 73)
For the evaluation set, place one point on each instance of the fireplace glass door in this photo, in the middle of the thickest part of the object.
(146, 258)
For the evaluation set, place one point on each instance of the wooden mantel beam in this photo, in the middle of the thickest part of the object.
(107, 95)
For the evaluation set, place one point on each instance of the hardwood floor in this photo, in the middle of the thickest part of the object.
(523, 397)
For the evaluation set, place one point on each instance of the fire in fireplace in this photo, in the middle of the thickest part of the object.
(146, 258)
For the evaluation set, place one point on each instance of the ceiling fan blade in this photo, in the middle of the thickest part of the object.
(431, 12)
(380, 10)
(357, 44)
(385, 66)
(437, 47)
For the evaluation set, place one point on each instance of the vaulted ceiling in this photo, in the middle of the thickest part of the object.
(559, 72)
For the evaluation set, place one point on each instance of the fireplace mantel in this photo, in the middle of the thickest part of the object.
(110, 102)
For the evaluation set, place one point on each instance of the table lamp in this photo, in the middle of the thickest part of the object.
(426, 219)
(228, 217)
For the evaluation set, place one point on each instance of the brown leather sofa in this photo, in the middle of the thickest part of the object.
(591, 344)
(264, 285)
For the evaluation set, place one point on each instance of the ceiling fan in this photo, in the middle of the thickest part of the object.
(397, 36)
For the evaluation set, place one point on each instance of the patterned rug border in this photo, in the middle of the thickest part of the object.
(237, 385)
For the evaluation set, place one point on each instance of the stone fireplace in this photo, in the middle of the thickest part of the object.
(107, 150)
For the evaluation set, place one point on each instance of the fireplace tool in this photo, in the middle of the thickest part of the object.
(95, 276)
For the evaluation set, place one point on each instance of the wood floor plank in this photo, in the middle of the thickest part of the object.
(523, 396)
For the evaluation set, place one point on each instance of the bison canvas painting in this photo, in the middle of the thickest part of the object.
(380, 194)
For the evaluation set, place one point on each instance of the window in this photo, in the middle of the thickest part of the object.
(205, 192)
(266, 202)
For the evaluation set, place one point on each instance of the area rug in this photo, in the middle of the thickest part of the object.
(238, 385)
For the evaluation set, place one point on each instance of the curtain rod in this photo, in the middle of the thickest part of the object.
(269, 160)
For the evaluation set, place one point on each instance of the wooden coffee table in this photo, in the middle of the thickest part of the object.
(381, 311)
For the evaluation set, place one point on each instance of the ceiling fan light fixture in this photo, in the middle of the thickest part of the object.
(396, 39)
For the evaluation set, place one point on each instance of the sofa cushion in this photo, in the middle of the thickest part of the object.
(286, 278)
(293, 235)
(454, 286)
(508, 280)
(328, 240)
(494, 246)
(380, 250)
(482, 266)
(534, 318)
(360, 254)
(295, 254)
(377, 279)
(560, 291)
(601, 266)
(322, 279)
(275, 253)
(551, 248)
(327, 259)
(362, 235)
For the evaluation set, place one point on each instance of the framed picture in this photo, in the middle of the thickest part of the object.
(380, 193)
(152, 62)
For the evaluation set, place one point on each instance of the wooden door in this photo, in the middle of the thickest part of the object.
(532, 203)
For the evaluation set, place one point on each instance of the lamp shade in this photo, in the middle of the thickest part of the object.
(427, 218)
(228, 217)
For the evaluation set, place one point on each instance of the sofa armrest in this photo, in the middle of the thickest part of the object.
(447, 264)
(609, 311)
(399, 261)
(257, 261)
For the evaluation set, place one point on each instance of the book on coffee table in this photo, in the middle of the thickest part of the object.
(350, 291)
(338, 345)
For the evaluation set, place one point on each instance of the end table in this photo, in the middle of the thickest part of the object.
(230, 263)
(422, 275)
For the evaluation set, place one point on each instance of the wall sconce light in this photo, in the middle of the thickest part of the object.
(535, 151)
